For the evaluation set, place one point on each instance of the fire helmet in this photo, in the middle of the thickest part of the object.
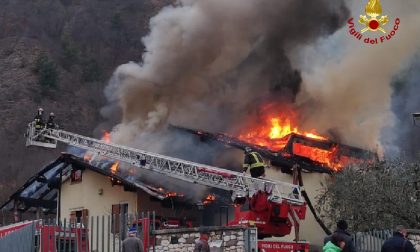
(247, 149)
(52, 114)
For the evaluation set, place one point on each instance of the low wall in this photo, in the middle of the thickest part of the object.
(221, 239)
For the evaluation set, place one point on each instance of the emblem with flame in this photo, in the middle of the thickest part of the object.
(373, 9)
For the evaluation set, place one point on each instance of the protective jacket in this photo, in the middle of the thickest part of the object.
(39, 122)
(252, 160)
(50, 123)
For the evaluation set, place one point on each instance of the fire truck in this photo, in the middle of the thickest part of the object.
(274, 207)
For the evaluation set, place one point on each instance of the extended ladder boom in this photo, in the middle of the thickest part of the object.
(240, 185)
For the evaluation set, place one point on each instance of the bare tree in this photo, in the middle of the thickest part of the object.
(379, 195)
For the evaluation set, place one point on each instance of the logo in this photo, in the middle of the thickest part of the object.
(373, 23)
(373, 9)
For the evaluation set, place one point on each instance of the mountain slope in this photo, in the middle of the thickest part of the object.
(79, 43)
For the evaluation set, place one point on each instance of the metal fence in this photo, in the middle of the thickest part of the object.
(371, 241)
(88, 234)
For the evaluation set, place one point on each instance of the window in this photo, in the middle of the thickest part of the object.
(79, 218)
(76, 176)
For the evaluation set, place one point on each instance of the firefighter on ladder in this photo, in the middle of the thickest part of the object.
(254, 162)
(50, 123)
(39, 119)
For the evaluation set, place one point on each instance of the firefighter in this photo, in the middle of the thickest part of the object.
(254, 162)
(39, 119)
(50, 123)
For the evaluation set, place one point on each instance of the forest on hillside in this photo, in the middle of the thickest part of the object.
(59, 55)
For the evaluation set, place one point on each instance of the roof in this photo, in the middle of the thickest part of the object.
(41, 190)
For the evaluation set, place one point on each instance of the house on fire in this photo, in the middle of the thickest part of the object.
(75, 190)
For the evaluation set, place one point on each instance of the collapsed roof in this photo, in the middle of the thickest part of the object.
(41, 190)
(313, 155)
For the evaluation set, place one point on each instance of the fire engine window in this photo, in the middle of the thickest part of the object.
(76, 176)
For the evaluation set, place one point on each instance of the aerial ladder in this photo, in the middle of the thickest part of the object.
(273, 207)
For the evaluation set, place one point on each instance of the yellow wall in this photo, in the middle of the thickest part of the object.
(85, 195)
(309, 228)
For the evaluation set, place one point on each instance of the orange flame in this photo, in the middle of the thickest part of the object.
(88, 157)
(114, 167)
(209, 199)
(323, 156)
(271, 132)
(173, 195)
(106, 137)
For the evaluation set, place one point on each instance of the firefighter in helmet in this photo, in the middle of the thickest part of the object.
(50, 123)
(254, 162)
(39, 119)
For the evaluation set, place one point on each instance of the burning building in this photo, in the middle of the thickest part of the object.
(101, 189)
(267, 74)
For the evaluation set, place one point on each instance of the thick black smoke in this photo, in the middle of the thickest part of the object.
(209, 64)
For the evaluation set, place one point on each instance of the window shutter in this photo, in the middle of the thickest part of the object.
(115, 219)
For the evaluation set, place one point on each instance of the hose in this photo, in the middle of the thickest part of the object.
(311, 207)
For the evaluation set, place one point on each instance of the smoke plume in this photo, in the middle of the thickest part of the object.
(347, 84)
(404, 138)
(209, 64)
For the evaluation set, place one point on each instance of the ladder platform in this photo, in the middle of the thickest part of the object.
(237, 183)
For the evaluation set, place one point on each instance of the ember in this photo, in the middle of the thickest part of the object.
(88, 157)
(114, 167)
(209, 199)
(173, 195)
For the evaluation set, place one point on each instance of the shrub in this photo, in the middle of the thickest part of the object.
(47, 72)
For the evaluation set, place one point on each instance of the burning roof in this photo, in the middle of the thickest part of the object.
(312, 152)
(39, 190)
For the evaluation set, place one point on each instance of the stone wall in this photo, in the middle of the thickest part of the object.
(414, 237)
(221, 239)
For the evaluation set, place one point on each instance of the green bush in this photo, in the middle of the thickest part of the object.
(47, 72)
(378, 195)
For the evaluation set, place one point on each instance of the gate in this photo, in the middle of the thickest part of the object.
(18, 238)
